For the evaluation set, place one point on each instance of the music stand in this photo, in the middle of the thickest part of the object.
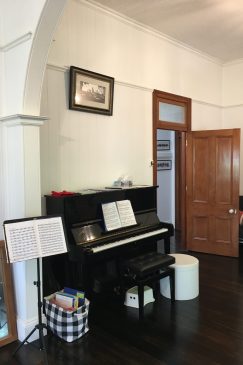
(34, 238)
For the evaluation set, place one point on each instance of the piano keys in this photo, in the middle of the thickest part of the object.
(90, 244)
(125, 241)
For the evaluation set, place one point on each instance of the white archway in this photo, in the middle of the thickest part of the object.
(23, 62)
(39, 53)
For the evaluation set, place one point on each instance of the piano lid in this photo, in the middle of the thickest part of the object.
(95, 233)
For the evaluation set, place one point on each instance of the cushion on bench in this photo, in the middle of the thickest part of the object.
(146, 264)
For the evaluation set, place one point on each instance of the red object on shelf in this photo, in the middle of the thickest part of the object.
(61, 193)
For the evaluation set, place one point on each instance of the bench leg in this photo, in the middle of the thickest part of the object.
(140, 300)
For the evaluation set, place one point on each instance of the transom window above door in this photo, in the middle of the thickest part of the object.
(171, 111)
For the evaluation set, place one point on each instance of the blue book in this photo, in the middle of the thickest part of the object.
(77, 293)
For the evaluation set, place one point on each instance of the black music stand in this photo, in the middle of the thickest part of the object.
(20, 237)
(40, 326)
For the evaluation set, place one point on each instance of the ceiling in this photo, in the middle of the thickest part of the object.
(213, 27)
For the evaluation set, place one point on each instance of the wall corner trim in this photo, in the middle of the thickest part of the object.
(23, 119)
(16, 42)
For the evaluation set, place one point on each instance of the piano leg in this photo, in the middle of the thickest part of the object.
(140, 299)
(87, 281)
(167, 245)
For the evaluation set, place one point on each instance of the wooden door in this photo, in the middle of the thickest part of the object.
(213, 191)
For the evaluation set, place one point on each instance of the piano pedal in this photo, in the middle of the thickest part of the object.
(105, 284)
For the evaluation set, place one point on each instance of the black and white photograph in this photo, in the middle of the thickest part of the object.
(163, 145)
(164, 165)
(90, 92)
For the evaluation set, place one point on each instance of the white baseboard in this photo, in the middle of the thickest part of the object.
(24, 327)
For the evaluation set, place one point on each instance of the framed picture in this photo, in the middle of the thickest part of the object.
(90, 92)
(163, 145)
(164, 165)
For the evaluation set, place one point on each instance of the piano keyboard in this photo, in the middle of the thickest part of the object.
(128, 240)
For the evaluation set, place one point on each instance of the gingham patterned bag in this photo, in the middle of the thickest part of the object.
(67, 325)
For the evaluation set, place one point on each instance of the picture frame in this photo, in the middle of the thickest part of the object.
(90, 92)
(164, 165)
(163, 145)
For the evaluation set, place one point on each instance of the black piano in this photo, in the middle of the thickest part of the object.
(93, 252)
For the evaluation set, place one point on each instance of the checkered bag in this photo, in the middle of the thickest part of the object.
(67, 325)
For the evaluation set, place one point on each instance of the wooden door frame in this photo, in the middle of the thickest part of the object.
(182, 128)
(180, 187)
(8, 298)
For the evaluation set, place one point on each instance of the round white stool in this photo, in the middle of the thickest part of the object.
(186, 278)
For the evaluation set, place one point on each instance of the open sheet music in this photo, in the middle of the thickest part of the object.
(33, 238)
(118, 214)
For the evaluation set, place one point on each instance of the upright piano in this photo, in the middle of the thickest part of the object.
(93, 252)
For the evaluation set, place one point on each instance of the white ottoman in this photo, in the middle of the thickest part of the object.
(186, 278)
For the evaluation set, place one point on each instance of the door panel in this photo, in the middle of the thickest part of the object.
(213, 191)
(200, 228)
(223, 184)
(200, 174)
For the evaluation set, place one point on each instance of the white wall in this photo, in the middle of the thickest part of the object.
(14, 25)
(81, 150)
(1, 84)
(87, 150)
(1, 182)
(232, 84)
(110, 45)
(233, 103)
(1, 60)
(15, 42)
(1, 134)
(206, 116)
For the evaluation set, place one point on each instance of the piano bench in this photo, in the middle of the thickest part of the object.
(147, 270)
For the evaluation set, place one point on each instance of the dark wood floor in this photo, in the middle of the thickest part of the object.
(206, 331)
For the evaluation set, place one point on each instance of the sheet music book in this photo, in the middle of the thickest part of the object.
(35, 237)
(118, 214)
